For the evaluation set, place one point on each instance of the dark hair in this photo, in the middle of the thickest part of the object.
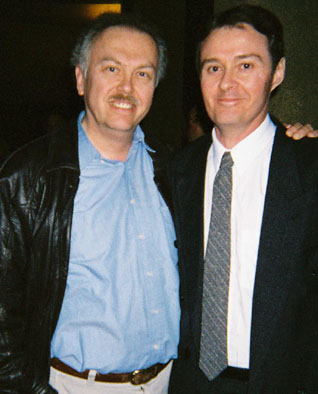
(262, 20)
(82, 49)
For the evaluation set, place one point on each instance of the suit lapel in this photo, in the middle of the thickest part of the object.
(190, 189)
(282, 201)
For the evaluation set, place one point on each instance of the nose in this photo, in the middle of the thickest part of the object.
(228, 79)
(126, 83)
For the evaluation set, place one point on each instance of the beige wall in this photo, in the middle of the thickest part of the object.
(297, 98)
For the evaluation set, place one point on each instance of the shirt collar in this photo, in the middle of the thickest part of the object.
(249, 148)
(87, 152)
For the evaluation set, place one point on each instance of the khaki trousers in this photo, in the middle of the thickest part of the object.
(67, 384)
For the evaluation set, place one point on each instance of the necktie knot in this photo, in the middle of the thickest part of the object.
(226, 161)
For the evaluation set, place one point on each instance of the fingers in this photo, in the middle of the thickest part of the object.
(298, 131)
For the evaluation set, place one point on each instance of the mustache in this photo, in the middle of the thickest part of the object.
(124, 97)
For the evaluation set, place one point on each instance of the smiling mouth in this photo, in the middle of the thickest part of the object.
(229, 100)
(122, 104)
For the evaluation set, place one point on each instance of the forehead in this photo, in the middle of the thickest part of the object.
(126, 41)
(234, 40)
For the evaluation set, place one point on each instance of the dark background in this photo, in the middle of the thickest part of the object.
(36, 79)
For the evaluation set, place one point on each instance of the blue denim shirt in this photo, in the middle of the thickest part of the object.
(121, 306)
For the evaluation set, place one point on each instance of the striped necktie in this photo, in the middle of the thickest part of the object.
(213, 347)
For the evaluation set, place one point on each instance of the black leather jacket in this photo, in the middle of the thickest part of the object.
(37, 189)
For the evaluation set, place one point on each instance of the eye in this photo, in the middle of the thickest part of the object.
(214, 69)
(145, 74)
(246, 66)
(111, 69)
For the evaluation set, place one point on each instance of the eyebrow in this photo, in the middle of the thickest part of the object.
(249, 55)
(239, 57)
(110, 59)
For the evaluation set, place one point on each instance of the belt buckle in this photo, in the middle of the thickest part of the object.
(141, 376)
(134, 377)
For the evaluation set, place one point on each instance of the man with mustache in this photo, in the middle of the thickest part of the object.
(246, 212)
(89, 285)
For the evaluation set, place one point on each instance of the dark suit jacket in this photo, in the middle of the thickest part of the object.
(284, 334)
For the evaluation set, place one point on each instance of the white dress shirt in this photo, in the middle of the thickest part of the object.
(250, 172)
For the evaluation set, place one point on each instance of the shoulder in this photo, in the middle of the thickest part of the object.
(26, 157)
(304, 153)
(303, 147)
(48, 151)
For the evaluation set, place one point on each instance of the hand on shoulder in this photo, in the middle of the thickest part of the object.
(298, 131)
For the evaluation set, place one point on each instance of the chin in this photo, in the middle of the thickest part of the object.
(226, 120)
(123, 126)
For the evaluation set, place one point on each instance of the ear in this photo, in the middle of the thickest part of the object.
(80, 80)
(279, 74)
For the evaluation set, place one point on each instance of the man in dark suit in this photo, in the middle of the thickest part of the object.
(250, 311)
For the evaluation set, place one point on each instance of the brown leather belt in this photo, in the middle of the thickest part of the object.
(140, 376)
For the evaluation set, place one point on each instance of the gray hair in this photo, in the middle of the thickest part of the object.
(82, 50)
